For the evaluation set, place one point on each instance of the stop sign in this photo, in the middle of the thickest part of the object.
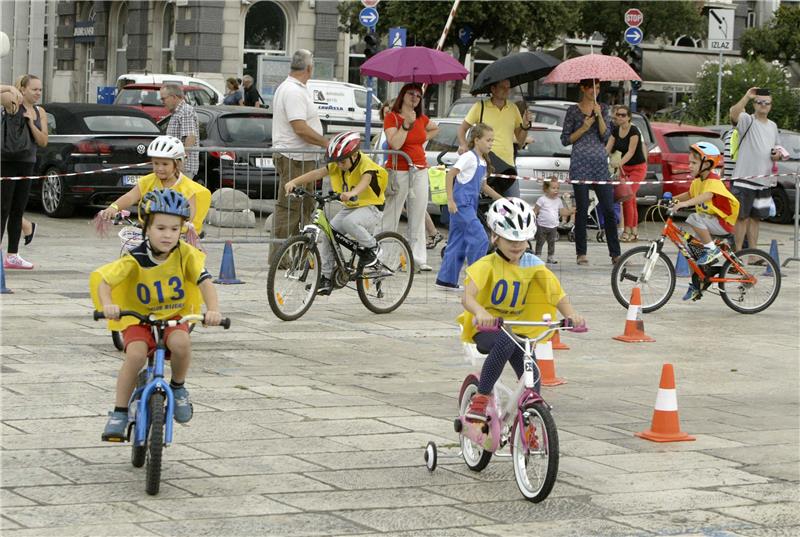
(633, 17)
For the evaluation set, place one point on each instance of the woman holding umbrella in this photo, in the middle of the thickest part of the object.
(586, 128)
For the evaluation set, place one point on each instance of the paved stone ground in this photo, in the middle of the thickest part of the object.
(317, 427)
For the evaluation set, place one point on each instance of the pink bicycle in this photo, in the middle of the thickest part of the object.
(518, 418)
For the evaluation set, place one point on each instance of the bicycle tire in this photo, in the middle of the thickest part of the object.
(475, 457)
(301, 273)
(155, 448)
(546, 442)
(138, 453)
(379, 293)
(655, 292)
(116, 337)
(760, 271)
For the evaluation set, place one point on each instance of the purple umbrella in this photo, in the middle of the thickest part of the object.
(414, 64)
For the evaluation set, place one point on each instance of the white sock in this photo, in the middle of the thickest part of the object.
(709, 245)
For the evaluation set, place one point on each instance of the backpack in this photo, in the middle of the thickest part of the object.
(17, 138)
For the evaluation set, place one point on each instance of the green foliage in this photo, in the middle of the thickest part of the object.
(778, 41)
(668, 20)
(736, 80)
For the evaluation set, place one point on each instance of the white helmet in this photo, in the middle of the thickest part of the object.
(512, 219)
(166, 147)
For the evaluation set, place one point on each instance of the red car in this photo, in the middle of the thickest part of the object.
(672, 152)
(146, 98)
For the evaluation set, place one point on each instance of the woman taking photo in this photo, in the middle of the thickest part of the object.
(25, 121)
(407, 129)
(627, 139)
(586, 128)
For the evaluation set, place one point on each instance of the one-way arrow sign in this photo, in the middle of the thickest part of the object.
(368, 17)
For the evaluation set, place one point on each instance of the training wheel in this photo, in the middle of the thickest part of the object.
(431, 456)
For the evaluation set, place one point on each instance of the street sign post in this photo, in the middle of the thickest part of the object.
(634, 17)
(368, 17)
(397, 37)
(633, 36)
(720, 37)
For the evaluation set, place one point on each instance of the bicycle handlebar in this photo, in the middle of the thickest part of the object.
(552, 326)
(321, 198)
(224, 323)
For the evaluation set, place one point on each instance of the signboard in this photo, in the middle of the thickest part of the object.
(633, 35)
(720, 29)
(83, 32)
(369, 3)
(397, 37)
(368, 17)
(634, 17)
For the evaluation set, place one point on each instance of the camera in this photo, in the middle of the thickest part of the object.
(763, 92)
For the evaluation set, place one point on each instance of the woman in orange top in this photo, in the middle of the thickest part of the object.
(408, 129)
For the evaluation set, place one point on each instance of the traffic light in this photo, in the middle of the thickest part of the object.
(370, 45)
(636, 59)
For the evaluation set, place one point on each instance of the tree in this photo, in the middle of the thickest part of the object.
(778, 41)
(505, 24)
(736, 80)
(667, 20)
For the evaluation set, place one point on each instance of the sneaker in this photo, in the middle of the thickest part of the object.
(15, 261)
(477, 408)
(183, 407)
(325, 286)
(552, 261)
(692, 293)
(433, 240)
(424, 267)
(116, 427)
(445, 286)
(710, 255)
(369, 256)
(29, 238)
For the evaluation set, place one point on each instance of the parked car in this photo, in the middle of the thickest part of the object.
(343, 106)
(214, 95)
(146, 97)
(785, 192)
(235, 127)
(88, 137)
(674, 142)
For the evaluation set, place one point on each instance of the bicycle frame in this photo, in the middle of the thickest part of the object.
(156, 382)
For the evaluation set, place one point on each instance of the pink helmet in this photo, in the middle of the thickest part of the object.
(343, 145)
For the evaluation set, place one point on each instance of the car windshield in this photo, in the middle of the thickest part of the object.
(546, 144)
(680, 142)
(139, 97)
(791, 142)
(241, 129)
(120, 124)
(446, 139)
(460, 109)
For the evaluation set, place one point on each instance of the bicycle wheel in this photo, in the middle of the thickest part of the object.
(656, 287)
(155, 443)
(475, 457)
(293, 278)
(535, 467)
(385, 286)
(138, 453)
(116, 337)
(750, 297)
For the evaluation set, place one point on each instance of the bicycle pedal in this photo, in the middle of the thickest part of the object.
(113, 438)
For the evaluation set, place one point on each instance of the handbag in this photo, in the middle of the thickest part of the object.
(17, 139)
(436, 179)
(622, 191)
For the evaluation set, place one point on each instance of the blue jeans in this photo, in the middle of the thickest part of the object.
(605, 206)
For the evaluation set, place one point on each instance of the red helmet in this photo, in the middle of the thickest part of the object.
(343, 145)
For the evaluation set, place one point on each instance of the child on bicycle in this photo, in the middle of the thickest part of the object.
(549, 209)
(513, 284)
(165, 277)
(361, 185)
(167, 154)
(716, 209)
(464, 182)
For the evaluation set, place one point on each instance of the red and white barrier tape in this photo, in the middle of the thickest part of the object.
(618, 182)
(74, 174)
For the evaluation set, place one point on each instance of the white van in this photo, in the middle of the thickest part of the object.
(155, 78)
(342, 106)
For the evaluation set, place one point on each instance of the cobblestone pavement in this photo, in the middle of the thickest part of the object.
(317, 427)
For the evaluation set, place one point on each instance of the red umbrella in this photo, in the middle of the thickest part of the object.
(597, 66)
(414, 64)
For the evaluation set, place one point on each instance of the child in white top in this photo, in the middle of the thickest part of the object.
(549, 208)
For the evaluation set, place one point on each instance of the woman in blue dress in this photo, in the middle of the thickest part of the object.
(233, 93)
(587, 129)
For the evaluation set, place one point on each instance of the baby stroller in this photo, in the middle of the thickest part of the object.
(594, 217)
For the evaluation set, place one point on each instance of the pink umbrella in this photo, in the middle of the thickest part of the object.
(597, 66)
(414, 64)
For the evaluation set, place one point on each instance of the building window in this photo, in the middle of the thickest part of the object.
(168, 39)
(751, 19)
(122, 39)
(264, 33)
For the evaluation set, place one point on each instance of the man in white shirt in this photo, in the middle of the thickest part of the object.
(295, 125)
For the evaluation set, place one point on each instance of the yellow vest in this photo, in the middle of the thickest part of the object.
(166, 290)
(521, 292)
(345, 181)
(717, 187)
(188, 188)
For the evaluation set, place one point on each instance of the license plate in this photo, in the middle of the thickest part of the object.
(130, 180)
(264, 163)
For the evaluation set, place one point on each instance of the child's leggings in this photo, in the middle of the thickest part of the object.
(501, 349)
(466, 240)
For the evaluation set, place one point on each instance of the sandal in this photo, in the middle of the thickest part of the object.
(625, 237)
(433, 240)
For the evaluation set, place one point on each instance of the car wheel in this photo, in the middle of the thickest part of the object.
(783, 212)
(53, 196)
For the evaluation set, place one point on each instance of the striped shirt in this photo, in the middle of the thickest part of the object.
(183, 123)
(730, 164)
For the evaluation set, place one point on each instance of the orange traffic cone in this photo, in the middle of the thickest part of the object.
(547, 366)
(556, 341)
(634, 325)
(665, 426)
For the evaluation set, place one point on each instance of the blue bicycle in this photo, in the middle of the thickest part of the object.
(152, 404)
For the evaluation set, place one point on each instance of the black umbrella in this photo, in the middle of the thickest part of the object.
(517, 68)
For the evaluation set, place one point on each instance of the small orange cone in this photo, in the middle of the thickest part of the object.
(634, 325)
(547, 366)
(665, 426)
(556, 341)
